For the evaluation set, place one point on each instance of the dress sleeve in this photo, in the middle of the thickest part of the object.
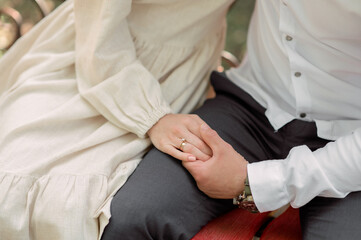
(109, 75)
(332, 171)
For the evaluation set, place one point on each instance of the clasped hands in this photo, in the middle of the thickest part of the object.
(216, 167)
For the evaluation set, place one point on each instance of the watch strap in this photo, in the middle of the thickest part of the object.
(245, 200)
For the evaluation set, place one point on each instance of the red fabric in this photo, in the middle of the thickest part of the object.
(285, 227)
(236, 225)
(242, 225)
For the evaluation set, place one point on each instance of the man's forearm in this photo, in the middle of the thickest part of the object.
(331, 171)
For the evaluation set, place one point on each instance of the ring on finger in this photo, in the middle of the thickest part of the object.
(183, 143)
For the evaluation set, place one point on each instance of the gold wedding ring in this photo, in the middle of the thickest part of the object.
(183, 143)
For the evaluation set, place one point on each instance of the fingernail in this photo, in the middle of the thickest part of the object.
(204, 126)
(191, 158)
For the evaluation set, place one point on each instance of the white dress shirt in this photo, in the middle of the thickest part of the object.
(304, 62)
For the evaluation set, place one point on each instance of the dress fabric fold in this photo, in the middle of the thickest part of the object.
(78, 94)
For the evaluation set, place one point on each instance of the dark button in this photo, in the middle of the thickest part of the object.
(303, 115)
(289, 38)
(298, 74)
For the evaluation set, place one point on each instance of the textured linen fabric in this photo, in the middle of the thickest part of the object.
(304, 62)
(77, 96)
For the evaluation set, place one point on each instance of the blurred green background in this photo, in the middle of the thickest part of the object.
(237, 18)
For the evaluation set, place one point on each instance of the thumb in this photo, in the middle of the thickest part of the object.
(211, 137)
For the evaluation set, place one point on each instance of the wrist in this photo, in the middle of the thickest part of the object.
(154, 126)
(241, 178)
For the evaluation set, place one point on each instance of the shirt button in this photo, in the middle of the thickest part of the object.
(298, 74)
(303, 115)
(289, 38)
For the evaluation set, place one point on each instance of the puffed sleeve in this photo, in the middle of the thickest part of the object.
(109, 75)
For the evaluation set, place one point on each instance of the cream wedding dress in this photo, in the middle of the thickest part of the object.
(77, 96)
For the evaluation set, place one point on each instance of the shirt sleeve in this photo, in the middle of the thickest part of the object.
(332, 171)
(109, 75)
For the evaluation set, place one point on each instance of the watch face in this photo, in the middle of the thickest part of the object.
(249, 206)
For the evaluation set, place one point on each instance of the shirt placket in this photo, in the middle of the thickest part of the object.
(287, 27)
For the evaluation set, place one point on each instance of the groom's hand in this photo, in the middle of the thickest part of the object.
(221, 176)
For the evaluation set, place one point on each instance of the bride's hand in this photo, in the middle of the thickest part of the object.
(179, 136)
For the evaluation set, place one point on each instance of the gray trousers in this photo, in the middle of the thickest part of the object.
(161, 200)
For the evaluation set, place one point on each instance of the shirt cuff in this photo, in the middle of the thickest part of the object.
(267, 181)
